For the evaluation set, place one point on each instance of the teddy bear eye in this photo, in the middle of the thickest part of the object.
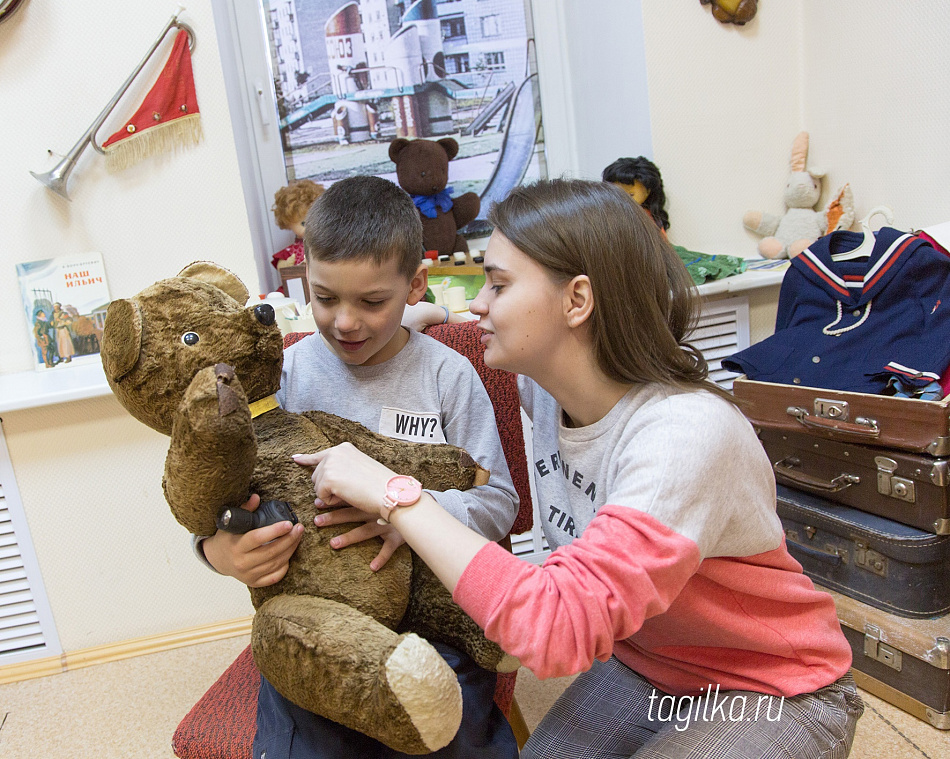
(190, 338)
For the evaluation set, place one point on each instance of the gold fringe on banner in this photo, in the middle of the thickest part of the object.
(183, 132)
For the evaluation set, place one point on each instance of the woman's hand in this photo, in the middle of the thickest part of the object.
(345, 475)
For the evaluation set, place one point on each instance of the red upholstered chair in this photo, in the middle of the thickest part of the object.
(222, 724)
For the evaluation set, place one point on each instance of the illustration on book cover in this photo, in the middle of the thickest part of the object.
(65, 301)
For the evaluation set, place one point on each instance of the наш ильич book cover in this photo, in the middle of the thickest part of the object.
(65, 301)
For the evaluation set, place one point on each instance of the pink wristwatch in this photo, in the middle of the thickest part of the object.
(401, 490)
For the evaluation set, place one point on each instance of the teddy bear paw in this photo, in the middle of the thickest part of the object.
(508, 663)
(798, 246)
(427, 689)
(772, 247)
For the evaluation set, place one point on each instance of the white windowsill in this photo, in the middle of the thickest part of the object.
(25, 390)
(30, 389)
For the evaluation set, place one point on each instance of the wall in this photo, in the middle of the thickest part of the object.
(724, 105)
(114, 562)
(877, 104)
(867, 79)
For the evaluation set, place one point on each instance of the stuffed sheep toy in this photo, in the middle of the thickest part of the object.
(187, 358)
(788, 235)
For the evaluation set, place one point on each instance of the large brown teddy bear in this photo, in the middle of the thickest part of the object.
(422, 168)
(187, 358)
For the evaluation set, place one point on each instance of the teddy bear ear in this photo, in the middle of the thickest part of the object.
(396, 147)
(450, 146)
(121, 338)
(218, 276)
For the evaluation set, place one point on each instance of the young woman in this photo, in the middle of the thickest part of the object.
(671, 589)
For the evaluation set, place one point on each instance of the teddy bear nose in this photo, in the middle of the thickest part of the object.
(264, 313)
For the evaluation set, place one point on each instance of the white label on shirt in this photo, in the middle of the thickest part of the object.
(410, 425)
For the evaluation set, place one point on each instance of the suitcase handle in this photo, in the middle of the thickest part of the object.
(816, 553)
(862, 425)
(786, 469)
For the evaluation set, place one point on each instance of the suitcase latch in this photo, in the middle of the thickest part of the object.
(878, 650)
(868, 559)
(939, 656)
(830, 409)
(896, 487)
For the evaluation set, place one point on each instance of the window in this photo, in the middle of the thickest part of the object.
(494, 60)
(457, 64)
(490, 26)
(453, 28)
(277, 139)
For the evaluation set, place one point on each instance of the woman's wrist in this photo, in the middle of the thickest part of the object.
(442, 542)
(426, 501)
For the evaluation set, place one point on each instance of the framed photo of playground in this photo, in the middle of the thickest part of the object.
(351, 76)
(64, 303)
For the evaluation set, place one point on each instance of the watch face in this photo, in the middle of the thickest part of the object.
(403, 489)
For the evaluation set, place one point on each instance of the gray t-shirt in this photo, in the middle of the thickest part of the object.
(426, 393)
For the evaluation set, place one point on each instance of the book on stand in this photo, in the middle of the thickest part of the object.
(64, 301)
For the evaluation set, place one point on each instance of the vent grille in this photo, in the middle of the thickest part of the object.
(26, 624)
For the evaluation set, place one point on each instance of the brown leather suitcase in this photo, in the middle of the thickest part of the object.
(906, 424)
(905, 662)
(905, 487)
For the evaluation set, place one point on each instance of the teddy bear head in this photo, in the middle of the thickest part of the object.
(154, 343)
(804, 183)
(422, 166)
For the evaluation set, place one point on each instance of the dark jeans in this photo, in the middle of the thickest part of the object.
(285, 731)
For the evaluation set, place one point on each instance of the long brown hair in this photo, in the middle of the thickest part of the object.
(645, 305)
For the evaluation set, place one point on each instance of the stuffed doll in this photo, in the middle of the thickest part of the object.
(291, 204)
(422, 168)
(185, 357)
(640, 178)
(788, 235)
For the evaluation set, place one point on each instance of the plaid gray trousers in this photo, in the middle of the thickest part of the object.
(610, 712)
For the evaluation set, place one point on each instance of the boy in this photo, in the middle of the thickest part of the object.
(363, 244)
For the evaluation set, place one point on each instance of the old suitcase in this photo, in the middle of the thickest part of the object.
(878, 561)
(907, 424)
(905, 662)
(907, 487)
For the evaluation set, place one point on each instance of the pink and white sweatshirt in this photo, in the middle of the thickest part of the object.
(669, 555)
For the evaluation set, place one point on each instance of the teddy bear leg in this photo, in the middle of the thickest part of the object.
(461, 244)
(797, 247)
(335, 661)
(771, 247)
(433, 614)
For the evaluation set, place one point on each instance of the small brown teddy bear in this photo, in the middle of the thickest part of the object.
(422, 168)
(187, 358)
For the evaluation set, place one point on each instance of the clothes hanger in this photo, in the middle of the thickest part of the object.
(867, 244)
